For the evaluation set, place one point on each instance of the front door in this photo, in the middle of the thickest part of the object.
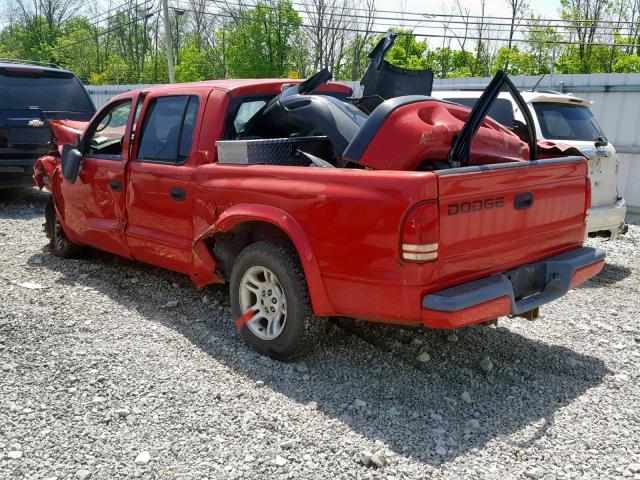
(93, 206)
(160, 186)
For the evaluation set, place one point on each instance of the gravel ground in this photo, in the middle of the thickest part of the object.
(102, 377)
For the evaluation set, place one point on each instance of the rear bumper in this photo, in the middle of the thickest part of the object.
(16, 172)
(511, 293)
(608, 218)
(26, 163)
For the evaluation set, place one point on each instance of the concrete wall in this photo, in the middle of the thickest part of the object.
(616, 105)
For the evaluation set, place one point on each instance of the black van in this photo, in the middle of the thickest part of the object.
(30, 95)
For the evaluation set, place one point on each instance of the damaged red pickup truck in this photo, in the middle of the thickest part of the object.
(311, 204)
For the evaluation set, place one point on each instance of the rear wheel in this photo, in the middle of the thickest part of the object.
(271, 304)
(59, 244)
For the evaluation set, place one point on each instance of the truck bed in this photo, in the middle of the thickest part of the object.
(353, 221)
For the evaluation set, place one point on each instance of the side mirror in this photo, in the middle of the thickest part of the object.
(70, 162)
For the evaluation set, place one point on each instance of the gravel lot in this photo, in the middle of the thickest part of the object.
(101, 379)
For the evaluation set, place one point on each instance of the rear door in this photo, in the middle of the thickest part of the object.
(495, 217)
(160, 183)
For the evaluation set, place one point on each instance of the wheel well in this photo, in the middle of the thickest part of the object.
(227, 245)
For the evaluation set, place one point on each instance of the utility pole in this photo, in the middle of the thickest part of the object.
(167, 39)
(179, 12)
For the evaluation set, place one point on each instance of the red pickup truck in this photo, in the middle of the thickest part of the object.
(311, 205)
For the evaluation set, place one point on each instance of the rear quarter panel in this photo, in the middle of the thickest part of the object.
(352, 219)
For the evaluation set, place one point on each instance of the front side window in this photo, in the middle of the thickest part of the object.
(107, 134)
(563, 121)
(168, 129)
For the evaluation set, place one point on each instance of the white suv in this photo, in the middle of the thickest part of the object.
(564, 119)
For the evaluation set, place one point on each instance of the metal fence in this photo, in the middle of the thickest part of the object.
(616, 105)
(100, 94)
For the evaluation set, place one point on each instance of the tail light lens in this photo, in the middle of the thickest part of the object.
(587, 199)
(420, 233)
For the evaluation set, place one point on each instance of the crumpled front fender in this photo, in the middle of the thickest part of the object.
(67, 131)
(43, 171)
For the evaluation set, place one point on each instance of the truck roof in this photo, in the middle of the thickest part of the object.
(35, 68)
(243, 86)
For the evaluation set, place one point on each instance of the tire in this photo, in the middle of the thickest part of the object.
(269, 276)
(59, 244)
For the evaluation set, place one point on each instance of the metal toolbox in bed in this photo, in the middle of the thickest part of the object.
(271, 151)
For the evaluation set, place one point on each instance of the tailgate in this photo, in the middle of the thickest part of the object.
(496, 217)
(602, 172)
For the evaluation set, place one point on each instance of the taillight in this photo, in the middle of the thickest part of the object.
(420, 233)
(587, 199)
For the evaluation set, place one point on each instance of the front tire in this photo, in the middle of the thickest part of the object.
(271, 304)
(59, 244)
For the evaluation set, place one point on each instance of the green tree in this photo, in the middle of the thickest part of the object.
(627, 64)
(195, 64)
(514, 62)
(260, 40)
(543, 45)
(447, 62)
(75, 48)
(407, 52)
(584, 17)
(128, 39)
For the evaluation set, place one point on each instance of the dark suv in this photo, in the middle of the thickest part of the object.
(30, 95)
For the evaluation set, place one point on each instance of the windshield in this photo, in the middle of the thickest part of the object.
(562, 121)
(42, 90)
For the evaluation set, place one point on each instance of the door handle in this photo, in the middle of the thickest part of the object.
(177, 194)
(115, 185)
(523, 201)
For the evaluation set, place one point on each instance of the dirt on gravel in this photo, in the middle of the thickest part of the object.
(110, 369)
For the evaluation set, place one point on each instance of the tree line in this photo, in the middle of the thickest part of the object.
(211, 39)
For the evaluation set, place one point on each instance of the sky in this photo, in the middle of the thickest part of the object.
(433, 29)
(547, 8)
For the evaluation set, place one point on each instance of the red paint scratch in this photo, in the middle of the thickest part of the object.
(244, 318)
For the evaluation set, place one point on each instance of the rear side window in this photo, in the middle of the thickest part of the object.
(34, 89)
(501, 110)
(168, 129)
(246, 111)
(562, 121)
